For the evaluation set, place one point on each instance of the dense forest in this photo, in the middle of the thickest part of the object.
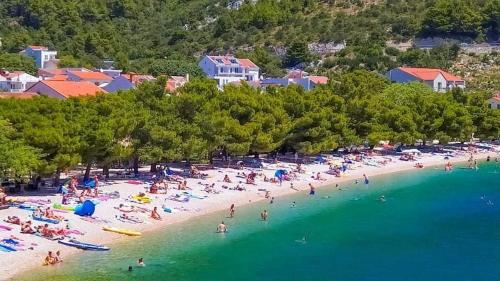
(152, 35)
(48, 136)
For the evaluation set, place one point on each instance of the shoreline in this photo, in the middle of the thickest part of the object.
(214, 204)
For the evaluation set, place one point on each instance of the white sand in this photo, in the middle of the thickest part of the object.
(15, 262)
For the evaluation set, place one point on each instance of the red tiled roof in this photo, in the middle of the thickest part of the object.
(36, 47)
(53, 72)
(226, 60)
(247, 63)
(174, 82)
(91, 75)
(428, 74)
(496, 96)
(22, 96)
(319, 79)
(138, 78)
(61, 77)
(73, 88)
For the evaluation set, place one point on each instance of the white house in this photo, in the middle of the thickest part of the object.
(16, 82)
(308, 82)
(228, 69)
(44, 58)
(439, 80)
(494, 101)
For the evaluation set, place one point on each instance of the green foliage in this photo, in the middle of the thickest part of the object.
(439, 57)
(16, 158)
(16, 62)
(462, 18)
(174, 67)
(297, 53)
(147, 125)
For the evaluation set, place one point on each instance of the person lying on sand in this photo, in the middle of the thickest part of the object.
(13, 220)
(50, 214)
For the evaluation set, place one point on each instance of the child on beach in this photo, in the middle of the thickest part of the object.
(154, 214)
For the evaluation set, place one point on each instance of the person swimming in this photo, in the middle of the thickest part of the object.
(302, 241)
(221, 228)
(264, 215)
(382, 198)
(130, 268)
(272, 200)
(293, 204)
(140, 262)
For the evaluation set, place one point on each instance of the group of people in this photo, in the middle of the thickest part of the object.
(48, 213)
(52, 259)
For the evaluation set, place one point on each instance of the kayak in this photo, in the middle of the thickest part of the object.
(142, 199)
(122, 231)
(83, 246)
(46, 220)
(63, 207)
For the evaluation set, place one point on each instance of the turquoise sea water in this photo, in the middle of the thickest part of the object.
(433, 226)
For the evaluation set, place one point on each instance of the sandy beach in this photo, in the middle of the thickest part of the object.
(200, 203)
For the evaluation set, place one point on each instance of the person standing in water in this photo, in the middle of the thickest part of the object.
(221, 228)
(264, 215)
(140, 262)
(312, 189)
(366, 179)
(231, 211)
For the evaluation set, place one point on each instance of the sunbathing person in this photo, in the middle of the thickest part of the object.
(154, 188)
(125, 209)
(226, 179)
(50, 214)
(13, 220)
(38, 212)
(26, 228)
(46, 231)
(154, 214)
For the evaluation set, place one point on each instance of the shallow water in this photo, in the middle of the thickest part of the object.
(432, 226)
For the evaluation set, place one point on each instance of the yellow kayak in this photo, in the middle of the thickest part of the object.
(142, 199)
(122, 231)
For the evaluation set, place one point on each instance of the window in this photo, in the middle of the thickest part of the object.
(498, 106)
(219, 61)
(233, 61)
